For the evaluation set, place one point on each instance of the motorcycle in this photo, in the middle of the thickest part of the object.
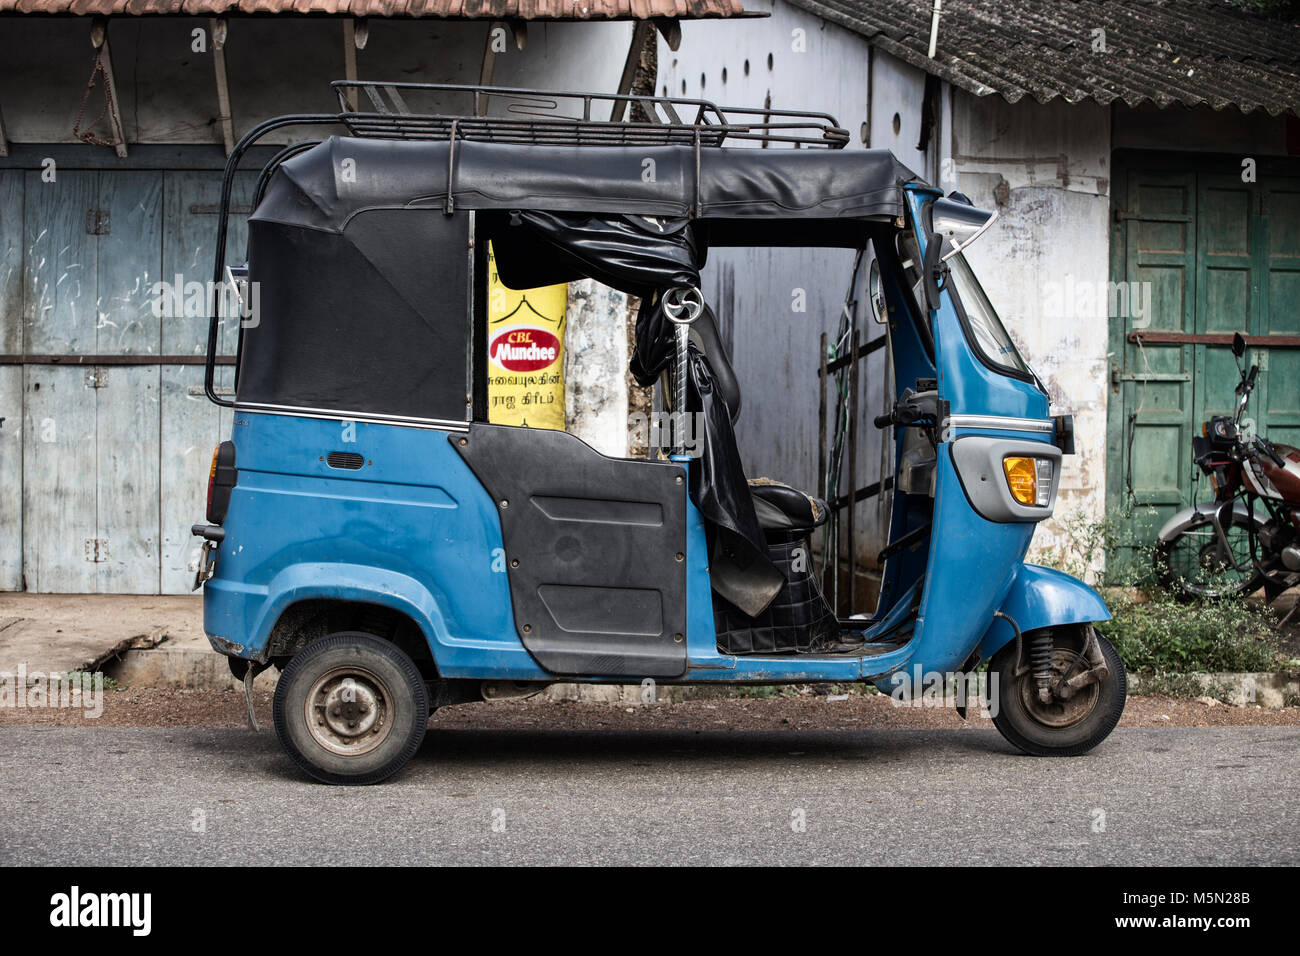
(1248, 537)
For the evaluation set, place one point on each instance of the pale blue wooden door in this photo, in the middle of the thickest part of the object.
(105, 465)
(11, 380)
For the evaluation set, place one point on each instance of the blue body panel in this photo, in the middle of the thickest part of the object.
(973, 562)
(414, 530)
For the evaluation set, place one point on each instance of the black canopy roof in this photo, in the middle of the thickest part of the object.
(329, 183)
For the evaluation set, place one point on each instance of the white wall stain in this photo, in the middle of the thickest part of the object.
(1051, 165)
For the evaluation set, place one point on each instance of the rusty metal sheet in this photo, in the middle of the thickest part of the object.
(439, 9)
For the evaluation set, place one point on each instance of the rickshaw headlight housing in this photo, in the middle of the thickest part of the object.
(1030, 479)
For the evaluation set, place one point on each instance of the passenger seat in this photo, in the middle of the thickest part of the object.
(782, 509)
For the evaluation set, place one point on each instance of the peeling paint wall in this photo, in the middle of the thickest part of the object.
(1046, 169)
(595, 367)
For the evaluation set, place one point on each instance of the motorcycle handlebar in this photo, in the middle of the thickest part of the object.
(906, 415)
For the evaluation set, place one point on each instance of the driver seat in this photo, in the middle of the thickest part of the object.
(783, 510)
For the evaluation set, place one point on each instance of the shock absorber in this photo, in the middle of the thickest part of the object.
(1040, 662)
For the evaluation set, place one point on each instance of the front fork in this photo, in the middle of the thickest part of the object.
(1222, 520)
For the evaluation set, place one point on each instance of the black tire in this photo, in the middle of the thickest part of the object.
(357, 733)
(1190, 585)
(1058, 729)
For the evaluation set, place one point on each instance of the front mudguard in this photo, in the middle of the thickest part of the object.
(1202, 514)
(1042, 597)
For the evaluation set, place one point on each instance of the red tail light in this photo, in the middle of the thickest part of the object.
(212, 480)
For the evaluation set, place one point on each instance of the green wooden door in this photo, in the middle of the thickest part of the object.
(1276, 407)
(1209, 255)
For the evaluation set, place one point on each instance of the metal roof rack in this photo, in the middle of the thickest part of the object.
(423, 111)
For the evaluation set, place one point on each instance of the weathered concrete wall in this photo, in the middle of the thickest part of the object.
(1046, 169)
(595, 367)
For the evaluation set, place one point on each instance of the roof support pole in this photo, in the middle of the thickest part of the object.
(489, 53)
(4, 136)
(99, 40)
(217, 27)
(640, 35)
(356, 33)
(934, 28)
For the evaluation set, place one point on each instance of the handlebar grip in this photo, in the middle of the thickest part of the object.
(1266, 447)
(884, 421)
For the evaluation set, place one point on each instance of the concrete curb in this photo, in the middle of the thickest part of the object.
(1270, 690)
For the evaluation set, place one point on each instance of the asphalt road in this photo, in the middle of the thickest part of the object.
(143, 796)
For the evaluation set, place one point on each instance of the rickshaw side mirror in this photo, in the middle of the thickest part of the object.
(958, 222)
(1238, 344)
(876, 294)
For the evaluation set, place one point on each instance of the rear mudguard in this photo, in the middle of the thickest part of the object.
(1041, 597)
(1203, 513)
(232, 610)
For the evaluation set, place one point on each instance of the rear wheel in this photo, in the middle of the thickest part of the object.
(1070, 720)
(351, 708)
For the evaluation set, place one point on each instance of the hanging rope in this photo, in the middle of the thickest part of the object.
(110, 108)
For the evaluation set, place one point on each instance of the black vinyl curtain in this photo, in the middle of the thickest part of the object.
(645, 257)
(639, 255)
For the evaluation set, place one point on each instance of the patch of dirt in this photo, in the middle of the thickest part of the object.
(143, 707)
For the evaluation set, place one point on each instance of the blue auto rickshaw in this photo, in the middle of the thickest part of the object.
(371, 534)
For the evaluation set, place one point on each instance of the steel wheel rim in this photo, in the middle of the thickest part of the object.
(1201, 572)
(349, 711)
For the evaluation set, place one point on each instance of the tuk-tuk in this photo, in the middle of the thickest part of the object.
(371, 534)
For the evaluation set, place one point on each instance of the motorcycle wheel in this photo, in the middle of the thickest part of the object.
(1189, 566)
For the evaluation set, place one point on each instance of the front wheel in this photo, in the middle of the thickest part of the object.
(1063, 695)
(351, 708)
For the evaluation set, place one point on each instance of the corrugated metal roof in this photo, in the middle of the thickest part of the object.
(445, 9)
(1191, 52)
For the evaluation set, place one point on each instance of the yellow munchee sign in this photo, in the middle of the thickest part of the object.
(525, 353)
